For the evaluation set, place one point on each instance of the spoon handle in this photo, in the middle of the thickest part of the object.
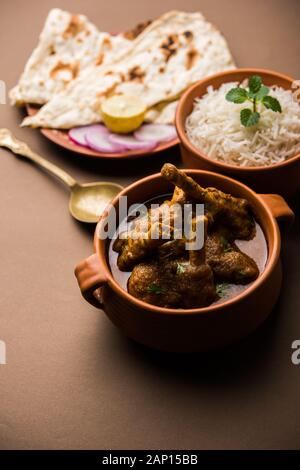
(8, 140)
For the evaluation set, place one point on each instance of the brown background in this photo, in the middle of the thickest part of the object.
(72, 381)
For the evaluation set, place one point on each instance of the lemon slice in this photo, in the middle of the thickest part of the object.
(123, 113)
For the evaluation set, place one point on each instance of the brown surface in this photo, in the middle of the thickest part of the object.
(72, 381)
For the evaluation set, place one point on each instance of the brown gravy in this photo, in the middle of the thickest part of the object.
(256, 248)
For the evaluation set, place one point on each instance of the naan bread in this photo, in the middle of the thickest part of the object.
(68, 45)
(162, 113)
(173, 52)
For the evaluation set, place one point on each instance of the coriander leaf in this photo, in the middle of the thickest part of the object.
(272, 103)
(241, 273)
(225, 245)
(221, 289)
(154, 289)
(180, 268)
(237, 95)
(249, 118)
(255, 83)
(264, 91)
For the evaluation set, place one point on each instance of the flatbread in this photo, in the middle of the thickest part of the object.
(173, 52)
(162, 113)
(68, 45)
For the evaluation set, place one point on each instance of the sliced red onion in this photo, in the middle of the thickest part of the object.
(131, 143)
(155, 133)
(99, 141)
(77, 134)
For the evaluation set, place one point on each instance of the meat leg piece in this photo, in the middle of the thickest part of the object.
(234, 212)
(139, 242)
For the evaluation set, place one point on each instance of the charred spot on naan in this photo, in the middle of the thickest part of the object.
(121, 75)
(136, 74)
(65, 72)
(103, 95)
(106, 44)
(188, 35)
(137, 30)
(191, 58)
(74, 27)
(169, 46)
(108, 92)
(52, 50)
(99, 59)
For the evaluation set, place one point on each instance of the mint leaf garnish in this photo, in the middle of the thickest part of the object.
(272, 103)
(264, 91)
(255, 82)
(256, 93)
(249, 118)
(237, 95)
(155, 289)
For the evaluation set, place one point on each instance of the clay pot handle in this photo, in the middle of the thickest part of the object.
(280, 210)
(90, 277)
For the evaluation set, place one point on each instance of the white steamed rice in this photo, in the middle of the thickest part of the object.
(214, 127)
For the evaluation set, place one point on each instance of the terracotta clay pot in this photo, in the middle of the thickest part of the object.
(282, 178)
(197, 329)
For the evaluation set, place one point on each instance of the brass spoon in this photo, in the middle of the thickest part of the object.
(87, 201)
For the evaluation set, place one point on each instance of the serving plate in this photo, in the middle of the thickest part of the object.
(60, 137)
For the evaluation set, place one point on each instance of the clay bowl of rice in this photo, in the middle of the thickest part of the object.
(266, 155)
